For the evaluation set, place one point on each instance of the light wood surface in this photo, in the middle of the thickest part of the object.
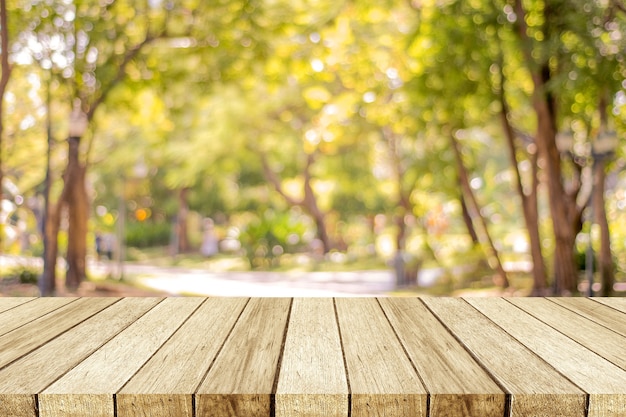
(86, 390)
(458, 386)
(165, 384)
(600, 313)
(536, 388)
(605, 342)
(9, 303)
(613, 302)
(33, 373)
(572, 360)
(312, 379)
(241, 381)
(16, 317)
(282, 357)
(382, 379)
(24, 339)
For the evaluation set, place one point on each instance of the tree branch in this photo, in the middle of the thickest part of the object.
(121, 73)
(273, 179)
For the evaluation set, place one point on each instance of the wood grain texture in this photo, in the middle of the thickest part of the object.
(214, 357)
(32, 373)
(457, 385)
(604, 342)
(577, 363)
(27, 312)
(601, 314)
(7, 303)
(312, 379)
(382, 379)
(28, 337)
(617, 303)
(88, 388)
(241, 380)
(18, 405)
(536, 388)
(165, 384)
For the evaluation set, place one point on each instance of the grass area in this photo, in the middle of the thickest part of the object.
(230, 262)
(19, 277)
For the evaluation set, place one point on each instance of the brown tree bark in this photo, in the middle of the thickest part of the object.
(4, 81)
(308, 202)
(467, 219)
(403, 202)
(51, 217)
(562, 205)
(562, 208)
(474, 207)
(51, 250)
(529, 202)
(182, 221)
(76, 195)
(605, 258)
(78, 210)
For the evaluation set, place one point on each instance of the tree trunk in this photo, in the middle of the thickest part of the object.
(531, 217)
(562, 206)
(400, 231)
(181, 223)
(4, 81)
(529, 203)
(310, 204)
(78, 209)
(605, 258)
(475, 209)
(51, 218)
(51, 250)
(467, 219)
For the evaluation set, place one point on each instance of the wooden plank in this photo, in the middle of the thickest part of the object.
(30, 336)
(457, 385)
(20, 381)
(601, 314)
(577, 363)
(241, 380)
(88, 389)
(618, 303)
(599, 339)
(7, 303)
(164, 386)
(27, 312)
(382, 379)
(536, 388)
(312, 379)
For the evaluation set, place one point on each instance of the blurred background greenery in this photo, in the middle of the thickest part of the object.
(405, 135)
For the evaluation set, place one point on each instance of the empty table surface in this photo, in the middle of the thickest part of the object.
(430, 357)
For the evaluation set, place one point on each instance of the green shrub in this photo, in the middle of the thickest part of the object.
(147, 234)
(25, 274)
(268, 236)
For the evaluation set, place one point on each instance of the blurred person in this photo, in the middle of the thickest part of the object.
(209, 239)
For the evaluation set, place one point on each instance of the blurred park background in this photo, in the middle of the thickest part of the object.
(456, 145)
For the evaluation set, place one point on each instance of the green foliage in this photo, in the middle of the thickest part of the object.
(198, 92)
(25, 273)
(271, 234)
(147, 234)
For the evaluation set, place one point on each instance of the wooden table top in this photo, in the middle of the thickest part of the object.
(195, 357)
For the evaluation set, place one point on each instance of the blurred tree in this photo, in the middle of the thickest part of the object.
(549, 58)
(102, 48)
(572, 58)
(451, 90)
(4, 81)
